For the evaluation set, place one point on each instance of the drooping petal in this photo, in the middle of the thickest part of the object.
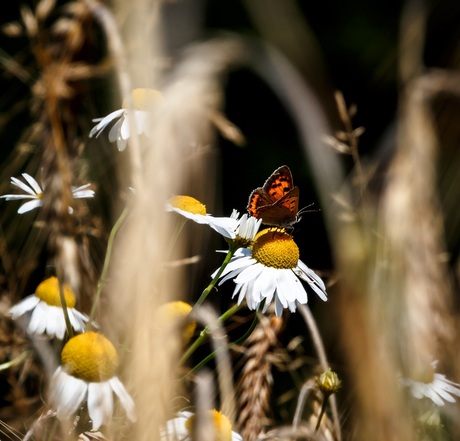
(100, 403)
(104, 122)
(25, 305)
(124, 397)
(70, 395)
(114, 132)
(38, 319)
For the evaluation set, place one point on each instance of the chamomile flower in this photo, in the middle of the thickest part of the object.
(87, 374)
(174, 313)
(182, 428)
(434, 386)
(34, 192)
(45, 308)
(193, 209)
(143, 101)
(271, 270)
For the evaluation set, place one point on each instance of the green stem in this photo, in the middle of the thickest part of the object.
(19, 359)
(323, 409)
(237, 342)
(210, 287)
(205, 333)
(105, 268)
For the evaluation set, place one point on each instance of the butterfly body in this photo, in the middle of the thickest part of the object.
(277, 202)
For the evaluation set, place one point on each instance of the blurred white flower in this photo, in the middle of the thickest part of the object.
(34, 192)
(143, 102)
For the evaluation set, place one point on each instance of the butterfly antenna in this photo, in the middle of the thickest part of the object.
(306, 209)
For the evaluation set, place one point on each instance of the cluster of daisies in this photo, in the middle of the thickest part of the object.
(264, 266)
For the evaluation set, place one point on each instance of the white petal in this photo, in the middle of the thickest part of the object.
(28, 206)
(125, 131)
(121, 144)
(225, 226)
(176, 429)
(100, 403)
(278, 307)
(114, 132)
(82, 192)
(77, 320)
(23, 187)
(236, 436)
(33, 183)
(142, 120)
(433, 396)
(265, 285)
(124, 397)
(70, 395)
(17, 197)
(104, 122)
(250, 273)
(236, 264)
(25, 305)
(39, 319)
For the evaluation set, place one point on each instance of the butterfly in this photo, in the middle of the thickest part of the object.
(277, 202)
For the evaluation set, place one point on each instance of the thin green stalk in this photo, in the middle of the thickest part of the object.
(19, 359)
(323, 409)
(210, 287)
(237, 342)
(205, 333)
(105, 268)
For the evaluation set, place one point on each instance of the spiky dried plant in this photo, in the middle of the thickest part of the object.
(255, 380)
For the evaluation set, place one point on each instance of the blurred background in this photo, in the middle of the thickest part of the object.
(348, 46)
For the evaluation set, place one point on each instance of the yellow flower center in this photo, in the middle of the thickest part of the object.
(275, 248)
(222, 426)
(48, 292)
(187, 203)
(143, 99)
(176, 311)
(90, 357)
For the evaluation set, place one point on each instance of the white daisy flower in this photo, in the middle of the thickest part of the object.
(143, 102)
(271, 269)
(45, 307)
(193, 209)
(35, 192)
(87, 374)
(181, 428)
(436, 387)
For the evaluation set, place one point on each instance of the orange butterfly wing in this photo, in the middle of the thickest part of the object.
(277, 202)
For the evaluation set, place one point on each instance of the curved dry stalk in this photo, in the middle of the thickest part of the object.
(321, 352)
